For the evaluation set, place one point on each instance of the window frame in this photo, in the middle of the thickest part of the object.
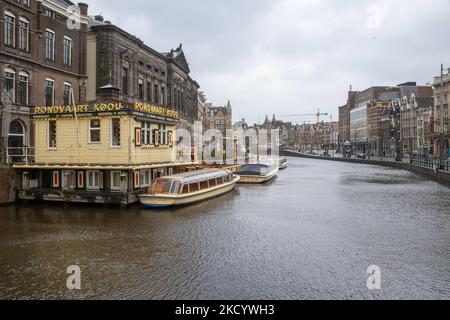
(48, 80)
(111, 133)
(47, 49)
(115, 188)
(69, 85)
(13, 73)
(27, 34)
(90, 129)
(6, 37)
(25, 75)
(93, 187)
(67, 63)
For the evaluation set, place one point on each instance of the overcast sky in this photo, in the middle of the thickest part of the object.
(292, 56)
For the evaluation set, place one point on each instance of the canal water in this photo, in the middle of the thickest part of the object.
(310, 234)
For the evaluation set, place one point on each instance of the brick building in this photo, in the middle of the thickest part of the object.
(42, 61)
(142, 74)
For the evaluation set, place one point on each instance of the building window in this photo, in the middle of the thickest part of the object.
(23, 89)
(145, 178)
(149, 91)
(69, 180)
(163, 134)
(125, 81)
(52, 134)
(49, 92)
(146, 133)
(115, 180)
(24, 34)
(115, 132)
(175, 96)
(67, 51)
(10, 84)
(141, 89)
(93, 180)
(49, 13)
(156, 94)
(94, 131)
(50, 45)
(67, 94)
(10, 33)
(163, 96)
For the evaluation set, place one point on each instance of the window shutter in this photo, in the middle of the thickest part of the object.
(137, 184)
(100, 180)
(55, 179)
(170, 138)
(156, 138)
(80, 180)
(137, 137)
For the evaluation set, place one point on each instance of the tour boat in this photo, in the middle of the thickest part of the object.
(190, 187)
(282, 163)
(257, 173)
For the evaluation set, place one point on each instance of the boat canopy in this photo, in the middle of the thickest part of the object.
(200, 175)
(254, 169)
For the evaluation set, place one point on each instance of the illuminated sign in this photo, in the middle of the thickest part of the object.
(84, 108)
(104, 108)
(149, 108)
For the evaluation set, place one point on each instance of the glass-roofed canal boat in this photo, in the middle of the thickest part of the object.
(190, 187)
(257, 173)
(282, 163)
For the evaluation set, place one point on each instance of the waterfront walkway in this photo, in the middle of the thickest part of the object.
(421, 167)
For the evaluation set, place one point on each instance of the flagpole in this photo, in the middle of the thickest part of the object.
(76, 116)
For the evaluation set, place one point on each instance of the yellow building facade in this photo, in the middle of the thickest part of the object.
(105, 152)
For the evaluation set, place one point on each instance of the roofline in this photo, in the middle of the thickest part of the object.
(131, 37)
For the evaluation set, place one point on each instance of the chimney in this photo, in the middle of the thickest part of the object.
(83, 8)
(99, 18)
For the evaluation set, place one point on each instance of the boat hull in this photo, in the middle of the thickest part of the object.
(165, 201)
(251, 179)
(283, 166)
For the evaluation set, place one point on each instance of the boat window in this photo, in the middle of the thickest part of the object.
(193, 187)
(212, 183)
(227, 179)
(175, 187)
(204, 185)
(185, 188)
(161, 186)
(219, 181)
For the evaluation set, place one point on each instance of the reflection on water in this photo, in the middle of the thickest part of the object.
(311, 233)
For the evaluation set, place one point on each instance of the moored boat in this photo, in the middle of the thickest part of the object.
(257, 173)
(282, 163)
(190, 187)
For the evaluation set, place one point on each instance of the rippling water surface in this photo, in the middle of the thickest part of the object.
(310, 234)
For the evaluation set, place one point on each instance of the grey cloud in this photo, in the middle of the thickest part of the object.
(291, 56)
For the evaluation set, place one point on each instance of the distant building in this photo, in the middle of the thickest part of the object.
(368, 110)
(438, 130)
(219, 118)
(241, 125)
